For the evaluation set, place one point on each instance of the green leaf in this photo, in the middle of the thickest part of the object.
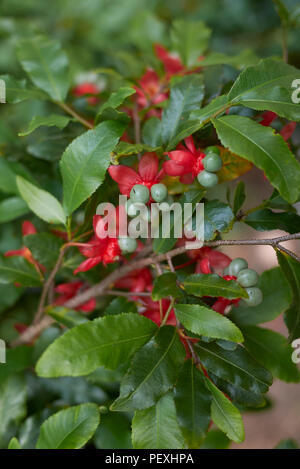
(46, 64)
(12, 404)
(291, 270)
(287, 444)
(107, 341)
(53, 120)
(14, 444)
(204, 321)
(127, 149)
(218, 217)
(213, 285)
(190, 40)
(12, 208)
(41, 202)
(215, 439)
(200, 117)
(152, 132)
(9, 295)
(166, 285)
(275, 300)
(44, 247)
(156, 362)
(18, 90)
(157, 427)
(69, 428)
(266, 220)
(267, 86)
(239, 197)
(16, 269)
(186, 95)
(267, 150)
(225, 415)
(121, 305)
(273, 351)
(236, 367)
(193, 402)
(241, 60)
(8, 172)
(114, 432)
(85, 161)
(67, 317)
(17, 360)
(115, 100)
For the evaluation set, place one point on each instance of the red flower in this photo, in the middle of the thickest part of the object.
(209, 260)
(87, 89)
(222, 303)
(153, 311)
(185, 161)
(137, 281)
(98, 250)
(68, 291)
(287, 130)
(149, 93)
(172, 63)
(147, 175)
(27, 229)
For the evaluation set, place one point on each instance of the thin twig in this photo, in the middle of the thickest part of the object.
(47, 286)
(32, 331)
(125, 293)
(74, 114)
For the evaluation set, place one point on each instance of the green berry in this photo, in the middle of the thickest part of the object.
(255, 296)
(103, 409)
(132, 208)
(237, 265)
(226, 271)
(212, 162)
(127, 245)
(207, 179)
(212, 149)
(140, 193)
(159, 192)
(247, 278)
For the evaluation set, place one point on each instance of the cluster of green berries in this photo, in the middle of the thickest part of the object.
(247, 278)
(140, 195)
(212, 163)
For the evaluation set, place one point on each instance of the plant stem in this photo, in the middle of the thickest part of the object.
(74, 114)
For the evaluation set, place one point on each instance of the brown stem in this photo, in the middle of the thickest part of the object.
(32, 331)
(74, 114)
(48, 284)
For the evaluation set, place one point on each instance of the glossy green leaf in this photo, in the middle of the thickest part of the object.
(266, 220)
(215, 439)
(166, 285)
(53, 120)
(213, 285)
(85, 161)
(267, 86)
(273, 351)
(190, 40)
(157, 427)
(69, 428)
(18, 90)
(16, 269)
(44, 247)
(225, 415)
(267, 150)
(12, 208)
(156, 362)
(41, 202)
(193, 402)
(205, 321)
(291, 270)
(186, 95)
(12, 404)
(236, 367)
(46, 64)
(115, 100)
(239, 197)
(243, 59)
(275, 300)
(14, 444)
(218, 217)
(151, 132)
(67, 317)
(107, 341)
